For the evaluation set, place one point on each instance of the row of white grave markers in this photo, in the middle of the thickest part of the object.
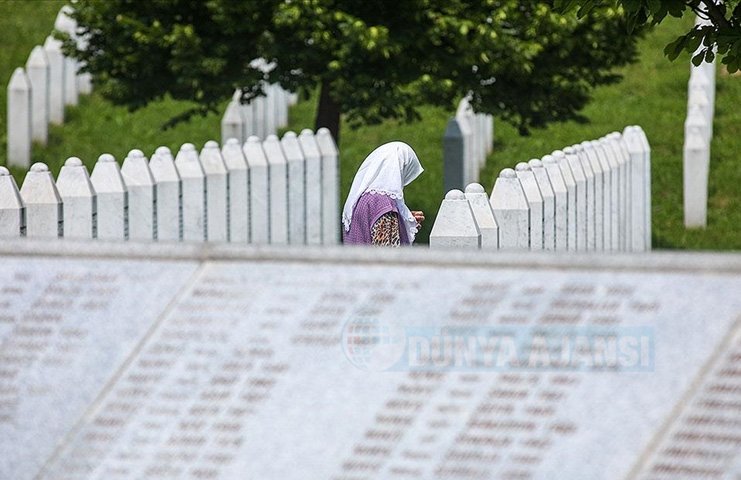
(592, 196)
(261, 117)
(468, 139)
(279, 191)
(698, 134)
(38, 94)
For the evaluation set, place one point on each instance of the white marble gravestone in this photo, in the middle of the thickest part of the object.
(12, 209)
(225, 362)
(37, 68)
(142, 194)
(259, 190)
(19, 111)
(169, 195)
(79, 199)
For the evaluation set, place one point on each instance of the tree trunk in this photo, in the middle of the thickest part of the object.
(328, 112)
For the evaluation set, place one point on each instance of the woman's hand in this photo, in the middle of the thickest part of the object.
(420, 217)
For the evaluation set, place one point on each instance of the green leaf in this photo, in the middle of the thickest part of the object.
(697, 59)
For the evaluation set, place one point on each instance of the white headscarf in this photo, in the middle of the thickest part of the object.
(387, 170)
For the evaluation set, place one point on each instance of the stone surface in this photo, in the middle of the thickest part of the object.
(261, 367)
(455, 225)
(259, 190)
(37, 69)
(57, 66)
(79, 199)
(549, 203)
(19, 115)
(44, 210)
(572, 231)
(313, 165)
(591, 157)
(330, 187)
(580, 180)
(112, 198)
(217, 192)
(511, 210)
(239, 191)
(66, 327)
(278, 190)
(142, 194)
(614, 193)
(12, 210)
(232, 123)
(193, 180)
(484, 216)
(561, 200)
(470, 170)
(535, 203)
(298, 187)
(623, 190)
(590, 179)
(169, 195)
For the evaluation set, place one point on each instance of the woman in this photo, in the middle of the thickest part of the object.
(375, 213)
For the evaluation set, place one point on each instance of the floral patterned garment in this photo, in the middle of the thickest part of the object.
(385, 232)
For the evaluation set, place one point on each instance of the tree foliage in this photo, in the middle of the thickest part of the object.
(371, 61)
(720, 34)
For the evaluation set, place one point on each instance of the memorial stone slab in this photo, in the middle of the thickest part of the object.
(193, 180)
(142, 194)
(112, 198)
(53, 50)
(278, 190)
(217, 192)
(561, 197)
(313, 156)
(297, 188)
(259, 190)
(589, 175)
(19, 111)
(455, 225)
(239, 191)
(615, 187)
(591, 156)
(535, 203)
(330, 186)
(232, 123)
(12, 210)
(571, 198)
(580, 179)
(586, 368)
(511, 210)
(65, 23)
(79, 199)
(549, 203)
(37, 68)
(484, 216)
(638, 131)
(44, 209)
(66, 326)
(169, 195)
(623, 189)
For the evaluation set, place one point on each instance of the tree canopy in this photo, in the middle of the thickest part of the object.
(720, 33)
(370, 61)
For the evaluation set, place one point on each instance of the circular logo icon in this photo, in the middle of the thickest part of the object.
(373, 345)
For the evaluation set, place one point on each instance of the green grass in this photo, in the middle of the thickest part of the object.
(653, 95)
